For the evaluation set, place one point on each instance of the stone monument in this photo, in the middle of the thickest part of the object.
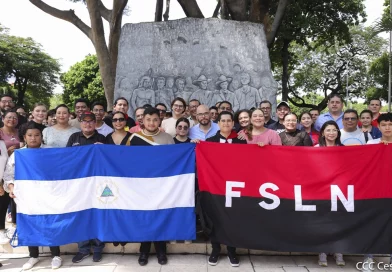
(206, 59)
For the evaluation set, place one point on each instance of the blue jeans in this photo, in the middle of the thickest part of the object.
(84, 246)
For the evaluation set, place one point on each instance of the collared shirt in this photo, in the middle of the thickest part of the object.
(78, 139)
(248, 97)
(328, 117)
(197, 133)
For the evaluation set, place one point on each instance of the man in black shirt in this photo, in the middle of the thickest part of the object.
(88, 135)
(226, 134)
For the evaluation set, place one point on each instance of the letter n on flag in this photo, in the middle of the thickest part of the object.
(297, 199)
(112, 193)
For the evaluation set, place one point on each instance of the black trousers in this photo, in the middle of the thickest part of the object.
(160, 247)
(13, 211)
(33, 250)
(216, 247)
(4, 202)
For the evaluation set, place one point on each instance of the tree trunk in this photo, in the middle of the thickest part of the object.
(238, 9)
(106, 68)
(158, 11)
(191, 8)
(285, 70)
(278, 18)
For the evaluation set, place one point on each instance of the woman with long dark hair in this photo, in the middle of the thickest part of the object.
(306, 121)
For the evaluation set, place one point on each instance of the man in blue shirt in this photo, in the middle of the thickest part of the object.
(205, 128)
(335, 112)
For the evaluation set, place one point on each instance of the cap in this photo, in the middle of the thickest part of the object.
(283, 103)
(87, 114)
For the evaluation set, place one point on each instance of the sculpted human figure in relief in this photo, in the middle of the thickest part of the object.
(222, 93)
(247, 96)
(143, 94)
(202, 94)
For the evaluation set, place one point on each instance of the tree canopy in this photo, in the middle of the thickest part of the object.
(23, 62)
(83, 80)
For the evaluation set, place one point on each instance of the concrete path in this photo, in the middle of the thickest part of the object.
(186, 263)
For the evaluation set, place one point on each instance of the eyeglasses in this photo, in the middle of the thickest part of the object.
(350, 118)
(182, 127)
(331, 131)
(214, 113)
(178, 106)
(115, 120)
(88, 122)
(99, 110)
(225, 108)
(7, 101)
(206, 114)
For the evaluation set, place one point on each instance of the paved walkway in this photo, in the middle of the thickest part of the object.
(187, 263)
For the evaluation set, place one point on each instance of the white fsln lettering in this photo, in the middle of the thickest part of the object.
(348, 202)
(298, 201)
(275, 199)
(230, 193)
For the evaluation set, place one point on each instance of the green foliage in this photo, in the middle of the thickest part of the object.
(379, 70)
(325, 69)
(56, 100)
(83, 80)
(35, 73)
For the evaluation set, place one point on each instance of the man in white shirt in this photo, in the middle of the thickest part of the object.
(350, 133)
(99, 111)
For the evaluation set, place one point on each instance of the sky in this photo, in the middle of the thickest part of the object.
(63, 41)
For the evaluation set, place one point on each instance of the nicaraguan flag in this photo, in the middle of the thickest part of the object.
(113, 193)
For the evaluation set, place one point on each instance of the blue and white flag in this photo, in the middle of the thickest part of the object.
(108, 192)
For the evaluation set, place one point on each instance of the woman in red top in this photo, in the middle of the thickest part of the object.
(306, 121)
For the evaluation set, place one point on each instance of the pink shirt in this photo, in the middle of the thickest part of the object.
(10, 140)
(268, 137)
(135, 129)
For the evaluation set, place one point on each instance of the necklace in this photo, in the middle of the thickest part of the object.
(151, 134)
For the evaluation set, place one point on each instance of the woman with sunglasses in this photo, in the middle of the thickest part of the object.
(178, 108)
(182, 131)
(119, 136)
(330, 136)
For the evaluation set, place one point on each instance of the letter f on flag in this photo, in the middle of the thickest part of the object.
(230, 193)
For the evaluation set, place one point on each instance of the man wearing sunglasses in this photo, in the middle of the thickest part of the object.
(350, 133)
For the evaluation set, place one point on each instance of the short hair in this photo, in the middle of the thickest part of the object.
(225, 102)
(119, 112)
(120, 98)
(384, 117)
(366, 111)
(7, 95)
(139, 108)
(290, 113)
(181, 100)
(378, 99)
(81, 100)
(213, 108)
(350, 111)
(51, 112)
(39, 104)
(161, 104)
(335, 95)
(315, 110)
(225, 113)
(182, 119)
(266, 101)
(147, 106)
(195, 100)
(9, 111)
(19, 107)
(61, 106)
(97, 103)
(32, 125)
(151, 111)
(237, 114)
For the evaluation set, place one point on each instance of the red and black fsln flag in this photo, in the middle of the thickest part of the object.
(297, 199)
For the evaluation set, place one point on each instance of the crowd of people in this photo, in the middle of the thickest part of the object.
(182, 123)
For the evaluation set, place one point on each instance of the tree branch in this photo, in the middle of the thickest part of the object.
(279, 15)
(166, 15)
(216, 11)
(105, 12)
(238, 9)
(191, 8)
(66, 15)
(158, 10)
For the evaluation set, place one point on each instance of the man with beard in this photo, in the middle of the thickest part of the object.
(205, 128)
